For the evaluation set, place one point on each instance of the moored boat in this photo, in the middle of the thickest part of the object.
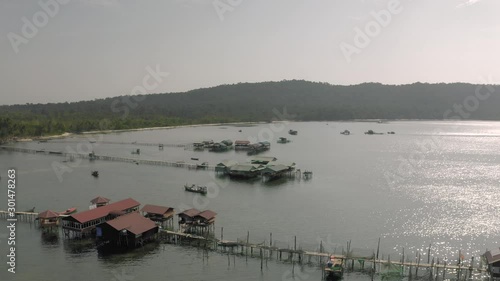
(292, 132)
(334, 268)
(68, 211)
(345, 132)
(196, 188)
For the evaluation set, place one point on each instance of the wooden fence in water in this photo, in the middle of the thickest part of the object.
(137, 161)
(433, 269)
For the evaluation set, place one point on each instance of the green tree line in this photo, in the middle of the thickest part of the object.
(304, 100)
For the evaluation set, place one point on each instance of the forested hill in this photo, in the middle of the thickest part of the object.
(303, 100)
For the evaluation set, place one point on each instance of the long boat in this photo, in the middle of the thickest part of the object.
(68, 211)
(196, 188)
(334, 268)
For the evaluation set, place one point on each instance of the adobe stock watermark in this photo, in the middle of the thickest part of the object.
(268, 134)
(373, 28)
(40, 19)
(150, 82)
(223, 6)
(409, 165)
(215, 186)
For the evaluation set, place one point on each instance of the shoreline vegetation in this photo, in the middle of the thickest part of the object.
(236, 124)
(292, 100)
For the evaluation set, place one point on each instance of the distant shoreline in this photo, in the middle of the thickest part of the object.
(68, 135)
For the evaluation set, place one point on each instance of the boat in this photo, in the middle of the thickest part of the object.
(371, 132)
(292, 132)
(196, 188)
(32, 210)
(334, 268)
(283, 140)
(95, 174)
(68, 211)
(202, 165)
(196, 159)
(391, 133)
(345, 132)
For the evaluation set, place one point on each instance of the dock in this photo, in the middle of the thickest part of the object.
(267, 250)
(20, 216)
(73, 155)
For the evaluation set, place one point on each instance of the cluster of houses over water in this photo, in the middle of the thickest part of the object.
(123, 223)
(225, 145)
(265, 166)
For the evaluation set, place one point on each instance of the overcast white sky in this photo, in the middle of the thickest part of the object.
(100, 48)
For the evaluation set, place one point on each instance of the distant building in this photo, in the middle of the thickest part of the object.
(493, 260)
(83, 223)
(245, 170)
(162, 215)
(98, 202)
(224, 166)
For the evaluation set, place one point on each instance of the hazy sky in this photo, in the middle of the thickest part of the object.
(85, 49)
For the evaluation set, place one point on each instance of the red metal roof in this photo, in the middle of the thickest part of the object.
(155, 209)
(208, 215)
(103, 211)
(190, 213)
(132, 222)
(99, 200)
(48, 214)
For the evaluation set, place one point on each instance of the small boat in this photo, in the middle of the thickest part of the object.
(196, 188)
(371, 132)
(196, 159)
(32, 210)
(202, 165)
(283, 140)
(334, 268)
(68, 211)
(95, 174)
(345, 132)
(390, 133)
(292, 132)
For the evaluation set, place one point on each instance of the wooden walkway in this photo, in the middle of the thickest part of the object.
(266, 251)
(180, 164)
(21, 216)
(119, 143)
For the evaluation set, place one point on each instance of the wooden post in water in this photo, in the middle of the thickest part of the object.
(261, 259)
(444, 270)
(246, 247)
(418, 265)
(471, 267)
(429, 254)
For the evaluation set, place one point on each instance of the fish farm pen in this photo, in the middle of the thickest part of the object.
(266, 174)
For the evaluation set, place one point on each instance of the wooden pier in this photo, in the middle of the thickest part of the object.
(180, 164)
(434, 268)
(20, 216)
(160, 145)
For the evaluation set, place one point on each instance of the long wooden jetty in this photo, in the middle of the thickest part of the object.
(21, 216)
(119, 143)
(434, 269)
(181, 164)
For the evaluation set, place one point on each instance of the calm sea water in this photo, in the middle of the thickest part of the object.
(430, 183)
